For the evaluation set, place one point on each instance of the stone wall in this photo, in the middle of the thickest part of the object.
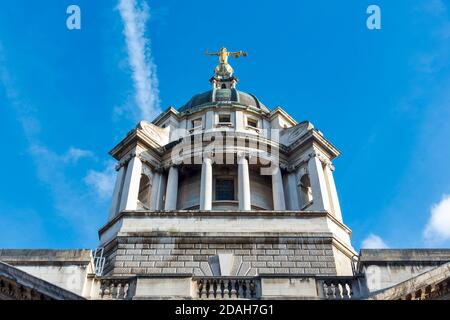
(385, 268)
(15, 284)
(196, 255)
(67, 269)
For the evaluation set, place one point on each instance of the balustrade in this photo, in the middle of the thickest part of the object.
(227, 288)
(115, 288)
(338, 288)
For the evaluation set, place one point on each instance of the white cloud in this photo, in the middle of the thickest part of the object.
(135, 15)
(102, 182)
(373, 242)
(438, 226)
(74, 154)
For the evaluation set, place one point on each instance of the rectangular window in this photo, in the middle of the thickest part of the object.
(196, 123)
(224, 189)
(224, 118)
(252, 123)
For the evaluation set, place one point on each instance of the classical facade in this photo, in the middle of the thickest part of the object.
(227, 198)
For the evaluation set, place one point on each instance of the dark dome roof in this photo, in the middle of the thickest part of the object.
(223, 95)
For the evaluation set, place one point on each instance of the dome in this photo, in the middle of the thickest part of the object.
(223, 95)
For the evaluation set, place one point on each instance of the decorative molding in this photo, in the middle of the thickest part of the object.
(290, 168)
(242, 154)
(297, 131)
(148, 160)
(320, 156)
(159, 169)
(124, 161)
(300, 173)
(147, 171)
(331, 166)
(208, 154)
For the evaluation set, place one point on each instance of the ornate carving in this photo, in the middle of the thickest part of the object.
(320, 156)
(159, 169)
(147, 171)
(208, 154)
(242, 154)
(297, 132)
(17, 291)
(125, 160)
(330, 165)
(151, 130)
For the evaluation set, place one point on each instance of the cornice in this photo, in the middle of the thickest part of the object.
(134, 138)
(279, 110)
(226, 214)
(169, 111)
(314, 136)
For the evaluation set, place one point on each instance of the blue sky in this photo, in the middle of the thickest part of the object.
(382, 97)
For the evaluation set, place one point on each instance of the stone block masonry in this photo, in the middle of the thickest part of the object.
(148, 255)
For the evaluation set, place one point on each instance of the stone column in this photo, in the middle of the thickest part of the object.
(333, 192)
(206, 184)
(156, 191)
(130, 189)
(292, 192)
(243, 183)
(115, 202)
(172, 189)
(279, 202)
(318, 184)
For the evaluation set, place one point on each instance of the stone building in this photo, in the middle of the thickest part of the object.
(227, 198)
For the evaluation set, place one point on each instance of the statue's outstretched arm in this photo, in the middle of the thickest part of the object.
(238, 53)
(211, 53)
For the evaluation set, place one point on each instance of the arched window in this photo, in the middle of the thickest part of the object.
(144, 191)
(306, 196)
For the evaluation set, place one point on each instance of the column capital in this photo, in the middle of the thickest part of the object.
(159, 169)
(330, 165)
(313, 154)
(171, 165)
(119, 166)
(290, 168)
(285, 167)
(208, 155)
(319, 156)
(242, 154)
(125, 160)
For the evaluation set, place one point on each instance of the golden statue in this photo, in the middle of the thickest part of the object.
(223, 54)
